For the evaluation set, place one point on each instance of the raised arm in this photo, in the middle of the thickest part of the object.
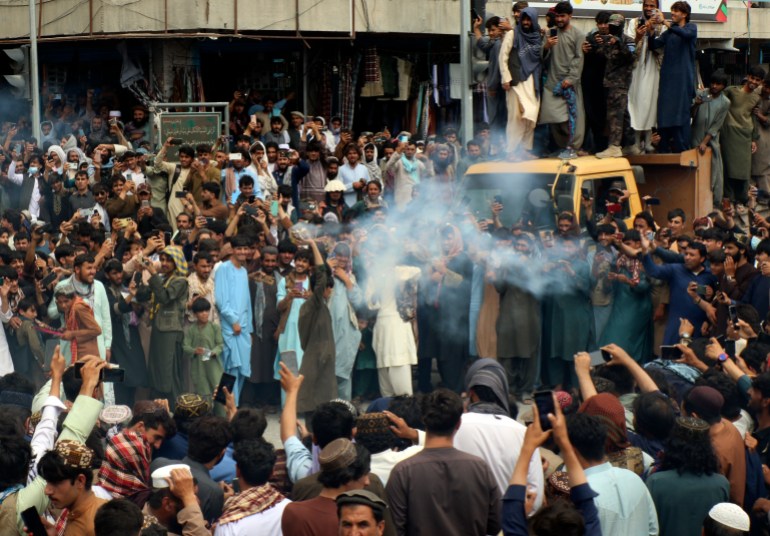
(583, 373)
(298, 458)
(291, 385)
(621, 358)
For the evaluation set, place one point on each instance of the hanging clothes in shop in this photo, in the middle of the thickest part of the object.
(187, 86)
(455, 81)
(442, 81)
(373, 86)
(434, 80)
(480, 102)
(389, 71)
(404, 79)
(347, 88)
(327, 89)
(423, 110)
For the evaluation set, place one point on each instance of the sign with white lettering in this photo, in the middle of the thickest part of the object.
(191, 127)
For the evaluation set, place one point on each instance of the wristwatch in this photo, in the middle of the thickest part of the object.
(722, 358)
(730, 278)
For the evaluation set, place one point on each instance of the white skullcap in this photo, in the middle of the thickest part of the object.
(113, 415)
(335, 185)
(731, 515)
(160, 476)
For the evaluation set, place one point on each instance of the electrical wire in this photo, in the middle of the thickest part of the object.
(66, 13)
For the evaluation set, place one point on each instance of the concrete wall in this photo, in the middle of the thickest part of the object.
(71, 17)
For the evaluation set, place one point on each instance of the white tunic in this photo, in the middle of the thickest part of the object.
(265, 523)
(393, 339)
(6, 364)
(643, 92)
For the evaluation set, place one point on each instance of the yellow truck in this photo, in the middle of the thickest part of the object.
(540, 189)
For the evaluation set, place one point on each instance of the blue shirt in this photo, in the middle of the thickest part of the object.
(277, 107)
(680, 304)
(174, 448)
(624, 504)
(224, 471)
(238, 175)
(299, 460)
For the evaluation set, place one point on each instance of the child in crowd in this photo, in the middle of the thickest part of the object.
(203, 344)
(31, 349)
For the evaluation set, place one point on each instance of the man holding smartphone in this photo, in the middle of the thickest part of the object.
(167, 308)
(177, 174)
(407, 170)
(562, 103)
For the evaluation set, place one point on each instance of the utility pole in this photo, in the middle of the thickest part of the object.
(34, 91)
(466, 97)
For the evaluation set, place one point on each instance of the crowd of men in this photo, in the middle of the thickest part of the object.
(158, 302)
(628, 87)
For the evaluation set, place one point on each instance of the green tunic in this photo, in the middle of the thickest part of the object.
(165, 359)
(738, 131)
(709, 118)
(204, 375)
(630, 323)
(682, 501)
(567, 314)
(317, 338)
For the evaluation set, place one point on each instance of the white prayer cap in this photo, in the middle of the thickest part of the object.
(335, 185)
(112, 415)
(160, 476)
(731, 515)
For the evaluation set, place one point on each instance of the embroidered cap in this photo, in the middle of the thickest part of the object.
(374, 424)
(348, 404)
(74, 454)
(34, 419)
(564, 399)
(191, 405)
(112, 415)
(338, 454)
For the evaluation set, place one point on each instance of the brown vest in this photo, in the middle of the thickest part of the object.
(8, 520)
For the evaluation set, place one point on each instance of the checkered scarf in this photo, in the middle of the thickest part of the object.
(126, 467)
(250, 502)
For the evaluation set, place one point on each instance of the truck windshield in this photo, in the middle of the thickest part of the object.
(526, 195)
